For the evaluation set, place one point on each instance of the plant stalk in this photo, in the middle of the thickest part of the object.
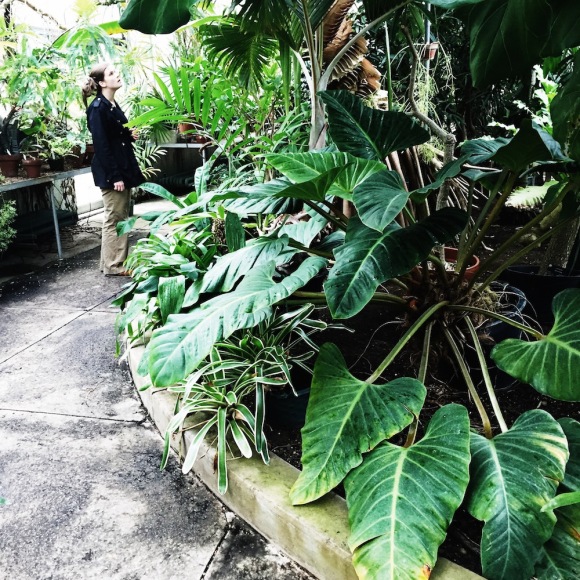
(422, 376)
(465, 372)
(486, 378)
(337, 222)
(405, 339)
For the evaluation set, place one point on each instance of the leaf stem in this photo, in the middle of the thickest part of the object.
(337, 222)
(471, 387)
(405, 339)
(486, 378)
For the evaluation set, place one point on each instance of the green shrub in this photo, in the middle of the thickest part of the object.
(7, 216)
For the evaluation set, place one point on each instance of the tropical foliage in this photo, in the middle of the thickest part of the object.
(339, 216)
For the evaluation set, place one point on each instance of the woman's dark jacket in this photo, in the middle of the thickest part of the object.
(114, 159)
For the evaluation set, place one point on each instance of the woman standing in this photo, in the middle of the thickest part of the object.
(114, 167)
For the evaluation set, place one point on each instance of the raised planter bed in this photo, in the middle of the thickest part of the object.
(314, 535)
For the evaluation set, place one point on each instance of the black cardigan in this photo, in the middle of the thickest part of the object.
(114, 158)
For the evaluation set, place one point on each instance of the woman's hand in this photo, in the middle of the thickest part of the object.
(119, 185)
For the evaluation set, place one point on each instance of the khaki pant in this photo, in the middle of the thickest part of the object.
(114, 248)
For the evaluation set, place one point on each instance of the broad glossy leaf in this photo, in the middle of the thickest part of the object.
(551, 365)
(513, 476)
(531, 143)
(262, 198)
(560, 555)
(156, 16)
(571, 429)
(380, 198)
(401, 501)
(170, 295)
(369, 133)
(229, 268)
(480, 150)
(347, 417)
(160, 191)
(304, 232)
(315, 189)
(304, 166)
(565, 111)
(508, 36)
(369, 258)
(177, 348)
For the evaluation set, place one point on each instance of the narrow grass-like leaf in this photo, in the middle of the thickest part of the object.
(195, 444)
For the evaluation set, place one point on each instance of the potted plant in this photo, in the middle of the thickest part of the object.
(10, 156)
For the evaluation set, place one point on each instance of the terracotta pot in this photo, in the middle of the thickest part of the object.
(9, 165)
(451, 257)
(32, 167)
(430, 51)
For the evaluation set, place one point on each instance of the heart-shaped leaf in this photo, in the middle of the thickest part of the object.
(379, 199)
(508, 36)
(229, 268)
(551, 365)
(347, 417)
(369, 133)
(300, 167)
(513, 476)
(262, 198)
(156, 16)
(177, 348)
(401, 501)
(369, 258)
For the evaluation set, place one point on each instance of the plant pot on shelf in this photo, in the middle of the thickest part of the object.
(9, 165)
(540, 290)
(32, 167)
(56, 164)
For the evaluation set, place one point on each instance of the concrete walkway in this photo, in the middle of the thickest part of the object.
(79, 458)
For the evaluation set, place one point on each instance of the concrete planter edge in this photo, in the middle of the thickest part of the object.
(313, 535)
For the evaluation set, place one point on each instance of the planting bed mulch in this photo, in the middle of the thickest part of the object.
(376, 330)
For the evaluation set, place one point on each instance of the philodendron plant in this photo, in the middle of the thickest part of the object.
(387, 253)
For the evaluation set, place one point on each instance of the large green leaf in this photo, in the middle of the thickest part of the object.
(314, 189)
(560, 555)
(229, 268)
(451, 169)
(508, 36)
(379, 199)
(401, 501)
(156, 16)
(369, 258)
(552, 364)
(347, 417)
(300, 167)
(571, 429)
(178, 348)
(170, 294)
(513, 476)
(565, 111)
(304, 232)
(531, 143)
(262, 198)
(369, 133)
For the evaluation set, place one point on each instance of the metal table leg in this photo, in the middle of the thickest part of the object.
(55, 220)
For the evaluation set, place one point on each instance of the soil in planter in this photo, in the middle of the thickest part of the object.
(363, 350)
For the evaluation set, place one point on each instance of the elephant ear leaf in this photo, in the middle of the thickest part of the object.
(347, 417)
(369, 133)
(177, 348)
(513, 476)
(156, 16)
(550, 364)
(369, 258)
(560, 555)
(398, 490)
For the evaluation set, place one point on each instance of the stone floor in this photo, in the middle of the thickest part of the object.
(79, 458)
